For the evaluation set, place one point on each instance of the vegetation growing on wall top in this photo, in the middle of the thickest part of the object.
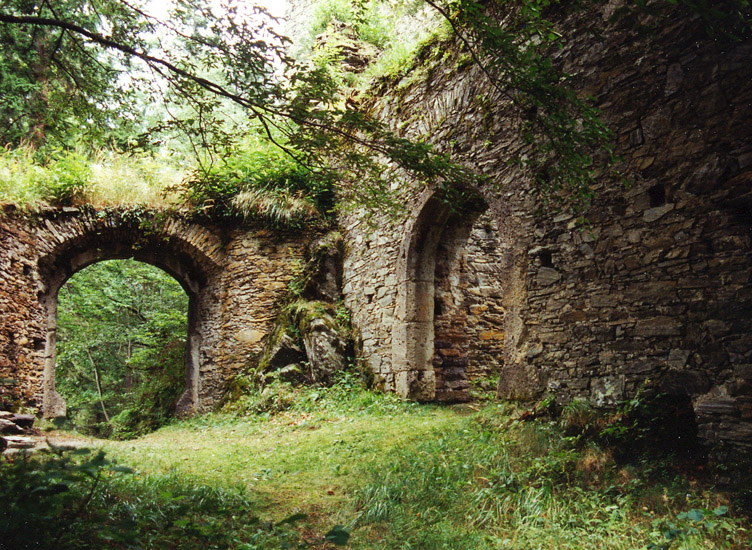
(99, 177)
(205, 77)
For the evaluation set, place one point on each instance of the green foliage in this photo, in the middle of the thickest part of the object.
(492, 482)
(121, 348)
(260, 184)
(62, 179)
(170, 511)
(48, 496)
(70, 499)
(347, 395)
(652, 424)
(694, 524)
(20, 178)
(68, 176)
(337, 535)
(223, 73)
(579, 417)
(101, 177)
(372, 21)
(54, 88)
(210, 194)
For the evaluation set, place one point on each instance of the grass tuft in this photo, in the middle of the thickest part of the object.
(100, 177)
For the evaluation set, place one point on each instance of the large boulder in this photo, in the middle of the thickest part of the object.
(325, 348)
(307, 345)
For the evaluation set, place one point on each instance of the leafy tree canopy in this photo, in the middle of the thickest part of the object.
(112, 71)
(92, 68)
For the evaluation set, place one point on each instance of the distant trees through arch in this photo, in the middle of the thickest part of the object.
(120, 360)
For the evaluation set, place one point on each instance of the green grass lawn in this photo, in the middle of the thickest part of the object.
(294, 461)
(395, 475)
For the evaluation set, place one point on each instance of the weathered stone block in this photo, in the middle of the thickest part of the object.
(607, 390)
(717, 406)
(547, 276)
(658, 327)
(492, 335)
(653, 214)
(573, 316)
(416, 385)
(8, 427)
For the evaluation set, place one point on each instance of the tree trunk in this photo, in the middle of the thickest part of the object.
(40, 99)
(99, 386)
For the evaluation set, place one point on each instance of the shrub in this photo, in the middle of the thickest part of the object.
(67, 178)
(260, 184)
(46, 497)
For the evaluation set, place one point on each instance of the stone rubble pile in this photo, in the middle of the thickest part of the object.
(14, 431)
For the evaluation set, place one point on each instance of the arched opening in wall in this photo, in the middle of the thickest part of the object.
(664, 424)
(430, 337)
(120, 350)
(189, 254)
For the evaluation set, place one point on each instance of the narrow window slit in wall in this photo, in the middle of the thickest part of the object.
(546, 258)
(437, 307)
(657, 195)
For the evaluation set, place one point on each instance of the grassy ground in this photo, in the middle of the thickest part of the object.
(396, 476)
(293, 461)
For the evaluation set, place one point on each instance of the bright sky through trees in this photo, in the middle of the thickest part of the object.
(276, 8)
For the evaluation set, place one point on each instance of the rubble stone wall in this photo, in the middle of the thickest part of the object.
(235, 279)
(655, 291)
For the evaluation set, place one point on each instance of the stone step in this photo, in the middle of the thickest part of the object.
(20, 442)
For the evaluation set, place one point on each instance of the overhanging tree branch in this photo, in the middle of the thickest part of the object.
(102, 40)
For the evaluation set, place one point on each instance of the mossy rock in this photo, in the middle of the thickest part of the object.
(308, 335)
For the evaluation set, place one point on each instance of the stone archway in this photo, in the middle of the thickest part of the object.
(429, 340)
(182, 252)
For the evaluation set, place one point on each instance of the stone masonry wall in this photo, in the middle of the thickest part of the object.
(657, 291)
(235, 278)
(22, 331)
(486, 311)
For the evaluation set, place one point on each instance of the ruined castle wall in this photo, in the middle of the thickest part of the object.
(235, 278)
(258, 266)
(657, 290)
(22, 318)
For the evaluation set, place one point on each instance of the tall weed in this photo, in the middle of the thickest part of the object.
(99, 177)
(498, 483)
